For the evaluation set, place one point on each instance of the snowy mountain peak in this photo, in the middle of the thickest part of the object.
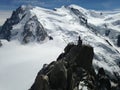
(24, 26)
(83, 10)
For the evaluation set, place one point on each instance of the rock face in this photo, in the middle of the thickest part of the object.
(33, 31)
(80, 15)
(72, 68)
(23, 26)
(16, 17)
(104, 82)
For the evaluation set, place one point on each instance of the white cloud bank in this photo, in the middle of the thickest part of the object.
(19, 64)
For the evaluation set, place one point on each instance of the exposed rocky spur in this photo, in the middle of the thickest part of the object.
(73, 70)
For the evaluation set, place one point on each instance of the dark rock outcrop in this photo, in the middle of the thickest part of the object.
(15, 18)
(34, 31)
(103, 80)
(50, 38)
(58, 76)
(30, 29)
(73, 70)
(80, 15)
(41, 83)
(72, 67)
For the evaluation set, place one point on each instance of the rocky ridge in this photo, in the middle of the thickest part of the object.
(73, 70)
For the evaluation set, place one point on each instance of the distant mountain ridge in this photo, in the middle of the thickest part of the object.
(14, 27)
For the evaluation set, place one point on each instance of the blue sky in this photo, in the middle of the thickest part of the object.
(89, 4)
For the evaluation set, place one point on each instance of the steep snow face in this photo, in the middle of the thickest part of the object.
(108, 26)
(24, 26)
(64, 25)
(15, 19)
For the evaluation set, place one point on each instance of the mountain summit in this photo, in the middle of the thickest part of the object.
(24, 26)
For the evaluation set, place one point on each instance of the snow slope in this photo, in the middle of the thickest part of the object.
(19, 64)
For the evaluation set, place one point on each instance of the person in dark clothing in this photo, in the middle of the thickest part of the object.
(79, 41)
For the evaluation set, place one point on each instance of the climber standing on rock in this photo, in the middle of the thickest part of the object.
(79, 41)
